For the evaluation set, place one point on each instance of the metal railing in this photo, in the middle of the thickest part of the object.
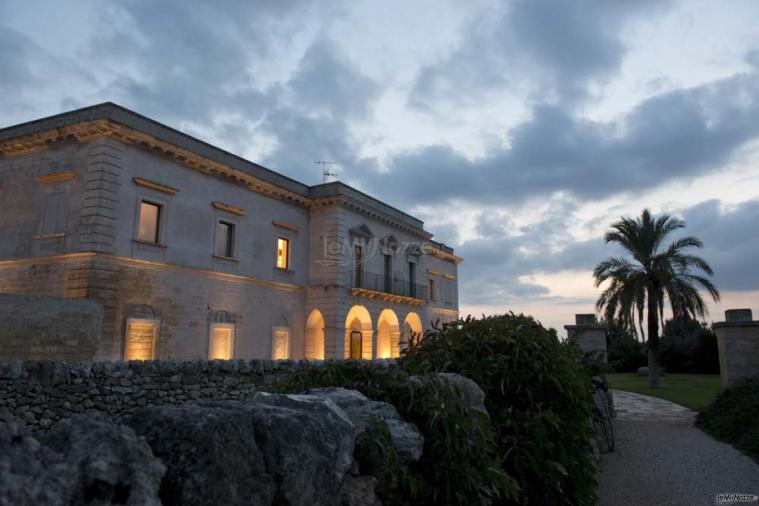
(387, 284)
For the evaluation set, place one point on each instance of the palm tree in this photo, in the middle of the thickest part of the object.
(652, 276)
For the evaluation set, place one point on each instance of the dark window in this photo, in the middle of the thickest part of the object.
(432, 289)
(54, 217)
(388, 273)
(225, 233)
(358, 258)
(150, 218)
(412, 279)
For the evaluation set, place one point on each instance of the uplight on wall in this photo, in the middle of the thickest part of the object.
(221, 341)
(140, 339)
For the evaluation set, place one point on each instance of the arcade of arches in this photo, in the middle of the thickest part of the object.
(364, 338)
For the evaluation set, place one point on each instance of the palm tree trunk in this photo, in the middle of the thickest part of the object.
(653, 339)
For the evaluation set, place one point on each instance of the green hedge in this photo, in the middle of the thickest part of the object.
(733, 417)
(535, 449)
(538, 396)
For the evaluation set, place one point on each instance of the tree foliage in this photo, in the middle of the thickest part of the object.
(655, 274)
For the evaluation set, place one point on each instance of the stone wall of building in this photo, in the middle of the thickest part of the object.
(40, 393)
(36, 327)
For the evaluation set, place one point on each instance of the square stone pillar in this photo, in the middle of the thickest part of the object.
(738, 344)
(589, 335)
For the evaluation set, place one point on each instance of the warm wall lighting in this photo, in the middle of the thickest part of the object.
(222, 340)
(280, 349)
(140, 339)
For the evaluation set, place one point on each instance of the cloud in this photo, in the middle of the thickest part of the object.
(731, 242)
(552, 48)
(677, 135)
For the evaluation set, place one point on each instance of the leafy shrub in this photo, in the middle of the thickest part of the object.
(625, 353)
(538, 396)
(733, 416)
(688, 346)
(459, 463)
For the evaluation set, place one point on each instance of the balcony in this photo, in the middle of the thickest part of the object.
(373, 285)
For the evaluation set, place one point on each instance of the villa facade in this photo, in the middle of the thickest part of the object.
(196, 253)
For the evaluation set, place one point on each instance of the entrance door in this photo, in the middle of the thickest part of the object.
(356, 339)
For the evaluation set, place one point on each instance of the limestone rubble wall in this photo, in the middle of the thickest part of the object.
(41, 393)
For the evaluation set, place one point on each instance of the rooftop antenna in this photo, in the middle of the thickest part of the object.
(326, 173)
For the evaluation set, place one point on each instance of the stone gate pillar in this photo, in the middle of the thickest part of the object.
(738, 344)
(589, 334)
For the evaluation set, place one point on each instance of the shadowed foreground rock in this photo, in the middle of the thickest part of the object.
(80, 461)
(211, 455)
(278, 449)
(407, 440)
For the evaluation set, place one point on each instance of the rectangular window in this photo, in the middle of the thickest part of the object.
(283, 253)
(358, 258)
(280, 346)
(225, 233)
(150, 217)
(54, 217)
(221, 341)
(432, 289)
(140, 339)
(388, 273)
(412, 279)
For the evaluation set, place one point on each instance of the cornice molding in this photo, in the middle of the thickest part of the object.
(85, 131)
(436, 252)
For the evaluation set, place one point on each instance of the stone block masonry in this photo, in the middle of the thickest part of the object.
(41, 393)
(48, 328)
(738, 344)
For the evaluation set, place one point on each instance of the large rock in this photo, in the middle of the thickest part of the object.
(470, 391)
(31, 474)
(359, 491)
(80, 461)
(211, 454)
(308, 443)
(113, 465)
(406, 438)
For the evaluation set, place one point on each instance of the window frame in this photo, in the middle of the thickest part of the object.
(231, 245)
(287, 256)
(233, 338)
(63, 211)
(160, 219)
(274, 331)
(431, 289)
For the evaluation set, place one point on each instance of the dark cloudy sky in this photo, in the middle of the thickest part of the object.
(517, 130)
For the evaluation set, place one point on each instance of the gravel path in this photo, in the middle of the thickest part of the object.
(662, 459)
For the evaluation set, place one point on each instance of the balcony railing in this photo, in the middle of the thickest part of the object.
(387, 284)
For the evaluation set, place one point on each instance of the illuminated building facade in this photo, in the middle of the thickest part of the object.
(196, 253)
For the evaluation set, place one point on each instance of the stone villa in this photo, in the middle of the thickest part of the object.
(192, 252)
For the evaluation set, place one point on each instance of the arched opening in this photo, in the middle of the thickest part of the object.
(388, 335)
(412, 325)
(315, 336)
(358, 333)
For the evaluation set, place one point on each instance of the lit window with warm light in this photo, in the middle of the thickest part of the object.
(150, 216)
(221, 341)
(280, 346)
(283, 253)
(140, 339)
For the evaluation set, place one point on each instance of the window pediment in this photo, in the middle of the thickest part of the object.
(362, 231)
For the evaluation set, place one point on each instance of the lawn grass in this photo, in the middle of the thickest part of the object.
(694, 391)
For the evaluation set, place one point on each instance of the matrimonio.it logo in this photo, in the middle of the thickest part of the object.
(735, 498)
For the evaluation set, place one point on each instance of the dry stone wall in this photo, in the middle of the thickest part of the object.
(41, 393)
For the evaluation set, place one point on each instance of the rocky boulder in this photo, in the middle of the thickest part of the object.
(469, 390)
(406, 438)
(307, 443)
(211, 454)
(80, 461)
(31, 474)
(113, 465)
